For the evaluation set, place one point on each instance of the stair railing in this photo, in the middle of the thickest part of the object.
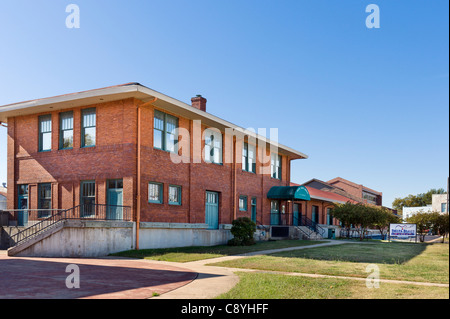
(81, 212)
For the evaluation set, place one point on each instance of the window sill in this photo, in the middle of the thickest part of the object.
(220, 164)
(165, 151)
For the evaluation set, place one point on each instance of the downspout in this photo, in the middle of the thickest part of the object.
(138, 169)
(234, 179)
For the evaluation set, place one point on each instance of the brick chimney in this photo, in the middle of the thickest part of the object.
(199, 102)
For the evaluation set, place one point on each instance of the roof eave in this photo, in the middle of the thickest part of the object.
(129, 90)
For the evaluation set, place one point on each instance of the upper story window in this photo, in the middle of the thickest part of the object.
(165, 136)
(45, 133)
(66, 130)
(88, 127)
(248, 158)
(371, 199)
(275, 166)
(213, 146)
(443, 207)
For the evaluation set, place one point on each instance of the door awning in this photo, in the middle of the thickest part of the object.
(289, 193)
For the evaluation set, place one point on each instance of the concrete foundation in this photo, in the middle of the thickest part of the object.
(180, 235)
(90, 239)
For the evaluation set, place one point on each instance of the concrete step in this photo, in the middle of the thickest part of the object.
(312, 236)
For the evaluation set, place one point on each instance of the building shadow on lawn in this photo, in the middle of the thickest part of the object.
(377, 253)
(24, 278)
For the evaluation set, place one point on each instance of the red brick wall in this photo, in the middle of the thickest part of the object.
(114, 157)
(322, 208)
(197, 178)
(355, 190)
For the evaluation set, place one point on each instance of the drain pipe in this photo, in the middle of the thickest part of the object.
(138, 168)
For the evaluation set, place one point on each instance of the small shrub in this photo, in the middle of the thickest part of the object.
(242, 229)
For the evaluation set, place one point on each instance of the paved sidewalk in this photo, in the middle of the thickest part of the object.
(127, 278)
(100, 278)
(218, 280)
(214, 281)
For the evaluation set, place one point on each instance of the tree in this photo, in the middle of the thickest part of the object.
(428, 196)
(346, 214)
(440, 224)
(383, 218)
(424, 221)
(418, 200)
(362, 217)
(408, 201)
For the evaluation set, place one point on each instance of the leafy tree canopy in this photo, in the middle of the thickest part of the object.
(418, 200)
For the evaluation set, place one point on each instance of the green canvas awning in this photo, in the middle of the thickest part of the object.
(289, 193)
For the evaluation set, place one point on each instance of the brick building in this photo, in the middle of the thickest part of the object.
(117, 146)
(356, 192)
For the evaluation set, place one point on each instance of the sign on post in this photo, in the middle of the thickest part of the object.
(403, 231)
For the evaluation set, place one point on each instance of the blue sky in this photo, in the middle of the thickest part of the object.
(368, 105)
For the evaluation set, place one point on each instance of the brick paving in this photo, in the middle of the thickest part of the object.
(104, 278)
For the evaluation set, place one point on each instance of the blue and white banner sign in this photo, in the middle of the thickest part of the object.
(403, 231)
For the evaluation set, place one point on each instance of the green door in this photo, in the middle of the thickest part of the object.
(22, 216)
(315, 214)
(212, 210)
(296, 215)
(275, 212)
(114, 209)
(254, 209)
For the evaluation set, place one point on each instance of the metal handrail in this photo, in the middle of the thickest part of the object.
(32, 231)
(260, 224)
(310, 224)
(81, 212)
(33, 215)
(307, 234)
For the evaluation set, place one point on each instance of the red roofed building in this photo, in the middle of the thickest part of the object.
(319, 208)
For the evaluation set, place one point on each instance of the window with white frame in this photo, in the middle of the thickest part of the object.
(66, 130)
(213, 146)
(45, 133)
(165, 130)
(88, 127)
(275, 166)
(249, 158)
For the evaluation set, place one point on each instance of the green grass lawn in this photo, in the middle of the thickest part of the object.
(274, 286)
(187, 254)
(400, 261)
